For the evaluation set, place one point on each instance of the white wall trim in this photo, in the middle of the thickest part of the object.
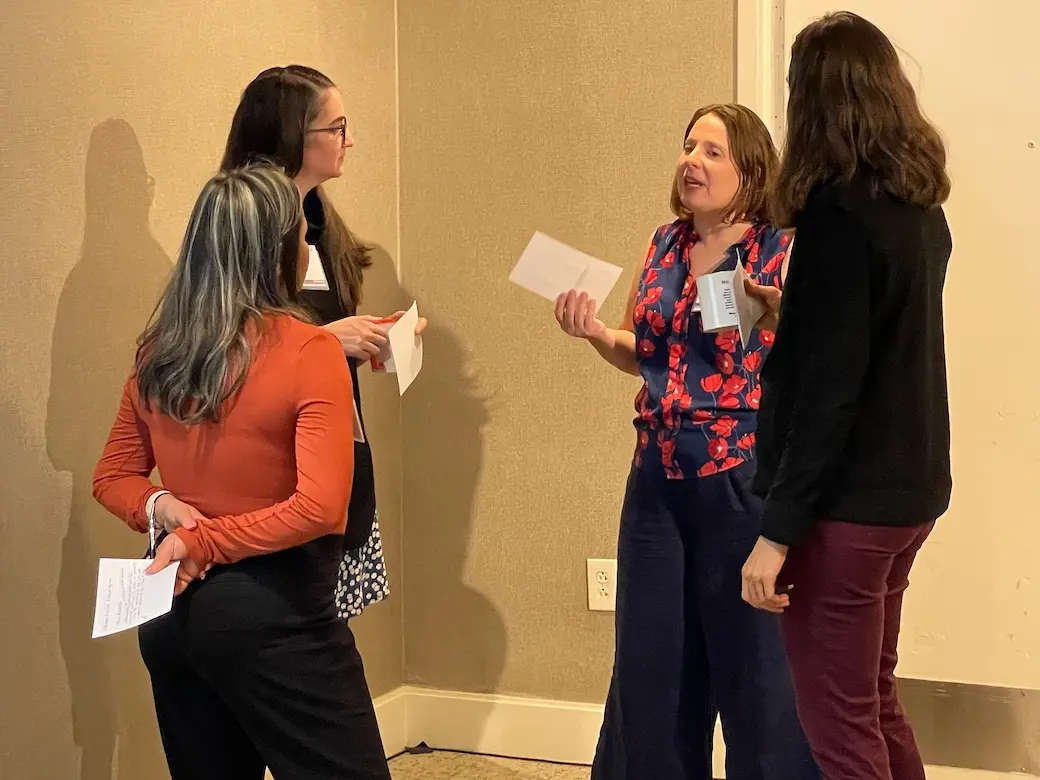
(761, 61)
(490, 724)
(517, 727)
(392, 714)
(510, 726)
(564, 732)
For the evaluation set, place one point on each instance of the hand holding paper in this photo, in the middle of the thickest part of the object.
(406, 348)
(384, 361)
(550, 268)
(127, 597)
(576, 314)
(361, 337)
(173, 550)
(769, 297)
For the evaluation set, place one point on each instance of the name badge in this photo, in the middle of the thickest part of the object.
(315, 278)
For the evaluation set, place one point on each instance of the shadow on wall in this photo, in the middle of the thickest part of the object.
(35, 738)
(456, 638)
(105, 303)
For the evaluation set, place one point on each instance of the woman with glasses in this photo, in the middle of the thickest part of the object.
(246, 409)
(294, 116)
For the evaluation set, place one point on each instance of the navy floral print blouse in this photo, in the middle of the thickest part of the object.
(696, 412)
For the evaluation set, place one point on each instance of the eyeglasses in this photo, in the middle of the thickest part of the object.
(339, 129)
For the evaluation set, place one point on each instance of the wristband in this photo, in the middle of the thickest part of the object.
(149, 510)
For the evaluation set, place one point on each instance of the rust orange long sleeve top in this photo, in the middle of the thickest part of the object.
(273, 473)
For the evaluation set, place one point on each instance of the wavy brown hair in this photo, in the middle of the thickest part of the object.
(271, 123)
(852, 114)
(754, 156)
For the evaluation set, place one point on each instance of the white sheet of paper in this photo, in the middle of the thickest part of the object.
(549, 267)
(359, 430)
(127, 597)
(384, 361)
(406, 348)
(725, 305)
(315, 278)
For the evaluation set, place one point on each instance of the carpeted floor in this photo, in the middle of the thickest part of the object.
(460, 766)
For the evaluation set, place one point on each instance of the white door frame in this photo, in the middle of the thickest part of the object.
(762, 61)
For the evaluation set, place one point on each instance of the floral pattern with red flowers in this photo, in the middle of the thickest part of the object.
(697, 408)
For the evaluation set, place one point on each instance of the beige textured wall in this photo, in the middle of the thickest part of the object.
(96, 98)
(519, 115)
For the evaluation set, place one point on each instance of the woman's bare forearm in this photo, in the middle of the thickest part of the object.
(618, 349)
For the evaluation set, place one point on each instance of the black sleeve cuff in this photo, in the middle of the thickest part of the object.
(759, 483)
(786, 524)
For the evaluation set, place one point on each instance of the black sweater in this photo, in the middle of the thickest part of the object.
(854, 421)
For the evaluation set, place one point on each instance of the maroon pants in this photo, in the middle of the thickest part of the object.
(841, 633)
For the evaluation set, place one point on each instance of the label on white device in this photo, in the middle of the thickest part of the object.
(725, 304)
(718, 301)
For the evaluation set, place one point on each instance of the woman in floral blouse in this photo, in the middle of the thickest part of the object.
(688, 648)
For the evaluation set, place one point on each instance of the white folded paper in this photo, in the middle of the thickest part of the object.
(549, 268)
(359, 429)
(406, 348)
(127, 597)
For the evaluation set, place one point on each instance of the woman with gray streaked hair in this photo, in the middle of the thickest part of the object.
(247, 410)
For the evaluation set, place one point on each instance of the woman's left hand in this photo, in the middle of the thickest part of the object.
(758, 586)
(769, 297)
(172, 513)
(420, 326)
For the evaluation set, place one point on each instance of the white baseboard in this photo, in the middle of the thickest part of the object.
(392, 714)
(511, 726)
(491, 724)
(518, 727)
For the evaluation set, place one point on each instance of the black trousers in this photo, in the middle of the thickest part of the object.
(252, 669)
(688, 649)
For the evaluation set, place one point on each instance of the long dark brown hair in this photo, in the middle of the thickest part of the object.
(853, 114)
(754, 157)
(271, 123)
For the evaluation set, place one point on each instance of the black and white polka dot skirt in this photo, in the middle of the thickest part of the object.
(362, 576)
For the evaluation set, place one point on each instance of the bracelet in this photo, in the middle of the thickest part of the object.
(149, 510)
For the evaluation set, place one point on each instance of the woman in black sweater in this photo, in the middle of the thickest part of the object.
(853, 432)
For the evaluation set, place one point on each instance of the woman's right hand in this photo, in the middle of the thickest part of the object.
(576, 314)
(361, 337)
(174, 550)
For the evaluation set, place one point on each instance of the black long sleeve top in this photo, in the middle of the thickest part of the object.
(854, 420)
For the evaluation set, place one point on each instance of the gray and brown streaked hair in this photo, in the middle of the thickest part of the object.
(238, 262)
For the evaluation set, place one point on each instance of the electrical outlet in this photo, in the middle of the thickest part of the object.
(602, 584)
